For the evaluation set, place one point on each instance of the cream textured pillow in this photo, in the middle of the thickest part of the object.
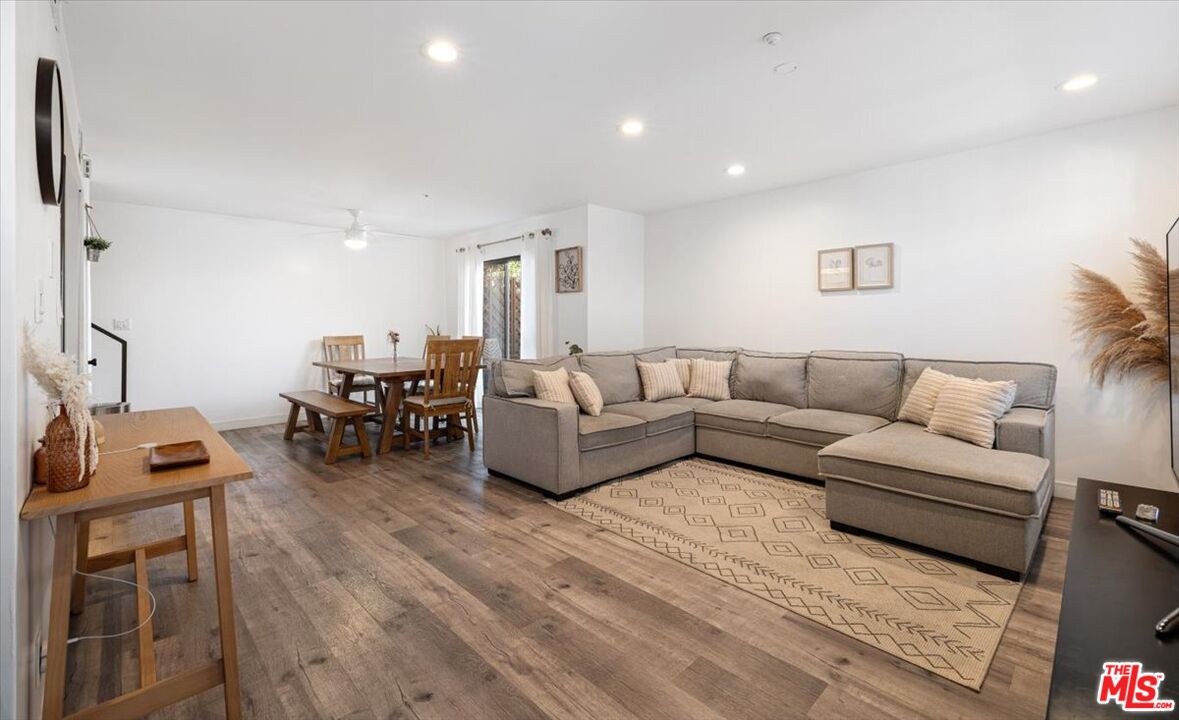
(710, 379)
(918, 407)
(968, 409)
(585, 390)
(553, 385)
(660, 380)
(684, 366)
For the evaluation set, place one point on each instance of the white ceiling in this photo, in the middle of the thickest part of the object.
(295, 110)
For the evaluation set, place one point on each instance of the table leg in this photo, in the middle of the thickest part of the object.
(78, 599)
(228, 625)
(190, 539)
(64, 560)
(393, 395)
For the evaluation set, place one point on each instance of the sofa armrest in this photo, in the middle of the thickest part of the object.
(532, 440)
(1028, 430)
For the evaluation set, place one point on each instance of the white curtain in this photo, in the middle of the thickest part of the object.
(470, 319)
(536, 290)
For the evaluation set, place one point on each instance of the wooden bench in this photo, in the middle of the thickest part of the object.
(342, 412)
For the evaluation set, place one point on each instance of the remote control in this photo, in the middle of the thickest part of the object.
(1109, 502)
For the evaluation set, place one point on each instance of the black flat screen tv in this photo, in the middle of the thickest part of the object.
(1173, 338)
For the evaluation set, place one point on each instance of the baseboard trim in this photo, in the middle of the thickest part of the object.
(243, 423)
(1065, 489)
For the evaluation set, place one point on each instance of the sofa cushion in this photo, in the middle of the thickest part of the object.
(615, 374)
(585, 392)
(655, 354)
(608, 429)
(770, 377)
(903, 457)
(709, 379)
(553, 385)
(1036, 381)
(821, 427)
(660, 380)
(743, 416)
(690, 402)
(918, 405)
(863, 383)
(967, 409)
(660, 417)
(717, 353)
(513, 378)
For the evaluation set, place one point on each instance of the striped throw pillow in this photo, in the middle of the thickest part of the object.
(968, 409)
(553, 386)
(660, 380)
(710, 379)
(684, 366)
(918, 407)
(585, 390)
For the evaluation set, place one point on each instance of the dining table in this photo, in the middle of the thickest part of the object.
(392, 374)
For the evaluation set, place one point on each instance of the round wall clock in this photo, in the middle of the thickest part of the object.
(50, 128)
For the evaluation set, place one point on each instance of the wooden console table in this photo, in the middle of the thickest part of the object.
(124, 484)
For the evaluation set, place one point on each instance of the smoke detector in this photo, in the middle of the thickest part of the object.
(772, 38)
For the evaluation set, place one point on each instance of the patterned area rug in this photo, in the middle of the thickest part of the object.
(770, 536)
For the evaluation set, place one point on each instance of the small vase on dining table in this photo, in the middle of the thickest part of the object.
(63, 469)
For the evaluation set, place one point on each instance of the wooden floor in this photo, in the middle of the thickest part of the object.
(399, 588)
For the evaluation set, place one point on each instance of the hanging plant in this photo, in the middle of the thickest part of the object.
(1124, 338)
(94, 242)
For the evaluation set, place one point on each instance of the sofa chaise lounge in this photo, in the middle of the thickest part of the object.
(825, 415)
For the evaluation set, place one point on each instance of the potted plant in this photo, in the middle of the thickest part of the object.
(94, 247)
(574, 348)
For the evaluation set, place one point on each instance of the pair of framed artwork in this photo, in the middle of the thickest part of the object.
(864, 267)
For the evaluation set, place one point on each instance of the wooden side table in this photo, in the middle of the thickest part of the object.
(124, 484)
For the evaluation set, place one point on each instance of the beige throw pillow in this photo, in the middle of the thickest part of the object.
(553, 385)
(710, 379)
(684, 366)
(968, 409)
(585, 390)
(660, 380)
(918, 407)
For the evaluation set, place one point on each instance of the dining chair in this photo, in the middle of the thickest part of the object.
(415, 386)
(348, 347)
(479, 360)
(450, 373)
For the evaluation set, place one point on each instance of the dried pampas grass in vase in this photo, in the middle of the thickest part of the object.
(1124, 338)
(71, 450)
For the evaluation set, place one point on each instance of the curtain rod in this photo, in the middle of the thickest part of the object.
(480, 246)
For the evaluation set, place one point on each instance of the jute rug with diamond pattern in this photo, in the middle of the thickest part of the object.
(770, 536)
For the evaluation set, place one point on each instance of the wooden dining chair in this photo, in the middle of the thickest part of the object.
(415, 387)
(348, 347)
(450, 373)
(479, 360)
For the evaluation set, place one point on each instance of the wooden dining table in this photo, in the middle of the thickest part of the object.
(391, 373)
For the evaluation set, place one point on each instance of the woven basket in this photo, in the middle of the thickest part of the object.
(62, 472)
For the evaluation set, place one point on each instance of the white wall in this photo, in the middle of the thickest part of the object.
(614, 279)
(29, 232)
(227, 312)
(985, 244)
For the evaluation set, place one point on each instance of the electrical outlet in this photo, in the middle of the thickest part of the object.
(124, 324)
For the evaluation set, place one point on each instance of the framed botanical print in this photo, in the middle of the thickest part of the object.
(874, 266)
(570, 273)
(836, 270)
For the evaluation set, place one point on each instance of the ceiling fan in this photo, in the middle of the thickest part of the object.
(356, 233)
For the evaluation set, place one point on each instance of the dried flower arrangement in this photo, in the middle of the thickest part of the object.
(394, 340)
(55, 373)
(1124, 337)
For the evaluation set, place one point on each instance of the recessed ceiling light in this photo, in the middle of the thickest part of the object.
(735, 169)
(442, 51)
(1078, 83)
(631, 127)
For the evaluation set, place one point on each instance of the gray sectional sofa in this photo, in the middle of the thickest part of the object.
(824, 415)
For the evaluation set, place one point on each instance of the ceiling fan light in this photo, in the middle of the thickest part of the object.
(356, 243)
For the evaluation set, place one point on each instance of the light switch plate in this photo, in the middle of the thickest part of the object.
(122, 324)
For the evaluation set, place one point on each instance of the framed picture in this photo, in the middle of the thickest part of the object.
(874, 266)
(836, 269)
(569, 269)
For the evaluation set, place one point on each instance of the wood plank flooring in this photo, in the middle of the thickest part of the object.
(394, 587)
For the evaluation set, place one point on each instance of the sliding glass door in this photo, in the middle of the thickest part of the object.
(501, 308)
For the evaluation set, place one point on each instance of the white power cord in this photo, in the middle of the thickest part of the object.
(150, 615)
(142, 446)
